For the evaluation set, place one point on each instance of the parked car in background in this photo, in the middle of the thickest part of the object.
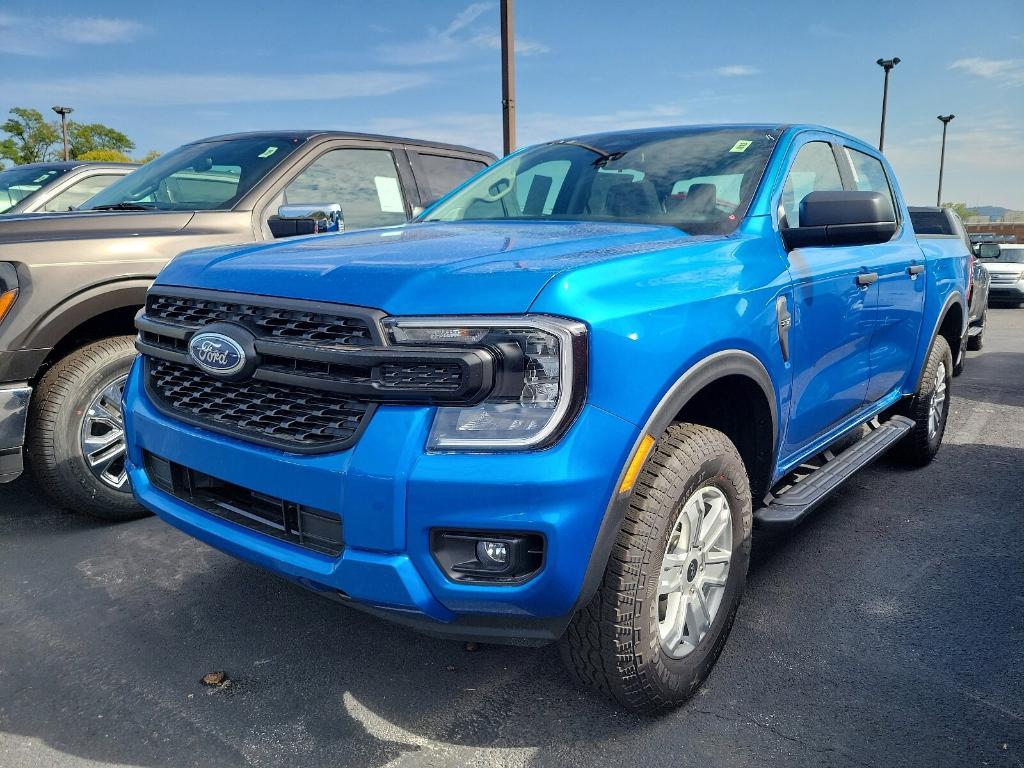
(555, 406)
(934, 222)
(55, 187)
(1005, 263)
(70, 284)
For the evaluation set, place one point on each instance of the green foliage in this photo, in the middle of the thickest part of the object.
(105, 156)
(960, 209)
(29, 139)
(149, 156)
(84, 138)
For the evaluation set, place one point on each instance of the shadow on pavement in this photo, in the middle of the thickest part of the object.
(106, 631)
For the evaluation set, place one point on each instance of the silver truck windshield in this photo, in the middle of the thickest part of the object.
(700, 180)
(210, 176)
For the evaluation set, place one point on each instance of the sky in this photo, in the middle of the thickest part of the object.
(169, 73)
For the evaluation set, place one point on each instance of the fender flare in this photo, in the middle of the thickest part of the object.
(56, 324)
(955, 297)
(717, 366)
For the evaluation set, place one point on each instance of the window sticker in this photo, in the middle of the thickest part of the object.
(267, 152)
(389, 194)
(741, 146)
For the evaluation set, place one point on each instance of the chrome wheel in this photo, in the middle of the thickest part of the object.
(694, 571)
(938, 402)
(102, 437)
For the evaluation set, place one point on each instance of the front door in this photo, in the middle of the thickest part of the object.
(830, 339)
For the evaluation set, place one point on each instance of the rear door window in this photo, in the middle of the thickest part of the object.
(440, 174)
(869, 176)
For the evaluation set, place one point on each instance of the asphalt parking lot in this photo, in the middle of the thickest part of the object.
(887, 630)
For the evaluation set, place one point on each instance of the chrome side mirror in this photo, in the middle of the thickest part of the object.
(321, 217)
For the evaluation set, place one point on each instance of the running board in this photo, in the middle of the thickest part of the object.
(806, 487)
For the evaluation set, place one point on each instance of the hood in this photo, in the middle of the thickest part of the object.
(90, 225)
(996, 267)
(430, 268)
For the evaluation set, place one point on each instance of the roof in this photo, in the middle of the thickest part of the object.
(70, 164)
(309, 134)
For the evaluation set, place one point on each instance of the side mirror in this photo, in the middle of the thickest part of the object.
(307, 219)
(989, 251)
(842, 218)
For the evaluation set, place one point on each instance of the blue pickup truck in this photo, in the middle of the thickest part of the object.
(555, 405)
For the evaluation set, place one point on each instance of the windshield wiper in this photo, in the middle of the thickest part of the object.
(123, 207)
(604, 156)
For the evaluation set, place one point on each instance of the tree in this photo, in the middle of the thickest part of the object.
(84, 138)
(29, 137)
(105, 156)
(960, 209)
(148, 157)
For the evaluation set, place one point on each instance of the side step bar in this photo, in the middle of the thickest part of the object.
(809, 485)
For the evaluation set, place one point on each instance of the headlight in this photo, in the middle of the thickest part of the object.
(541, 381)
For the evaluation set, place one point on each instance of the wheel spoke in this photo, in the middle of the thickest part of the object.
(717, 557)
(103, 438)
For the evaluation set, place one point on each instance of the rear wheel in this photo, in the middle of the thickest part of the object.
(977, 341)
(929, 408)
(76, 441)
(651, 634)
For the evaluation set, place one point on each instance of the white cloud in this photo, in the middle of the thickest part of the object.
(737, 70)
(174, 89)
(46, 36)
(820, 29)
(465, 34)
(1005, 71)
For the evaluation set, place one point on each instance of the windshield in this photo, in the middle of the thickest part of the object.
(210, 176)
(18, 183)
(1007, 256)
(700, 180)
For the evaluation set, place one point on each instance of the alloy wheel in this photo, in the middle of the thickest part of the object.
(102, 437)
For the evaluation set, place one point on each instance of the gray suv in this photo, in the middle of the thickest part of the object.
(71, 283)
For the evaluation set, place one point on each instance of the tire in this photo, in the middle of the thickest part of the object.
(58, 419)
(976, 342)
(617, 644)
(921, 444)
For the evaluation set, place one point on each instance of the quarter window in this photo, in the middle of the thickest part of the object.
(814, 170)
(443, 174)
(364, 182)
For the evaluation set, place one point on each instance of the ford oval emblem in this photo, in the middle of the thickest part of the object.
(216, 353)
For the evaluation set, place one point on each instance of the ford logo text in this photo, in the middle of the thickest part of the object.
(216, 354)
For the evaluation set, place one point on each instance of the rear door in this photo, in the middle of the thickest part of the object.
(896, 316)
(830, 339)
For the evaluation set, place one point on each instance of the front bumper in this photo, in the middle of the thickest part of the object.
(14, 399)
(1012, 291)
(390, 494)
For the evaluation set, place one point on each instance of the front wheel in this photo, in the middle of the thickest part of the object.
(650, 635)
(76, 441)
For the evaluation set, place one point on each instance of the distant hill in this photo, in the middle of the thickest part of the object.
(994, 211)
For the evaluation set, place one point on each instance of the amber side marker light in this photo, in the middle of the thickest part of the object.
(636, 464)
(7, 301)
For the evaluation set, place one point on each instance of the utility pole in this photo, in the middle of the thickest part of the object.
(64, 112)
(887, 65)
(942, 157)
(508, 77)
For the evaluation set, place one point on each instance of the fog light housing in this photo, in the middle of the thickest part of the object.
(488, 556)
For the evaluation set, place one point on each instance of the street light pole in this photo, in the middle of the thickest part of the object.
(942, 157)
(508, 77)
(64, 112)
(887, 65)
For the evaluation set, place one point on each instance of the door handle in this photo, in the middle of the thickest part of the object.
(866, 278)
(915, 269)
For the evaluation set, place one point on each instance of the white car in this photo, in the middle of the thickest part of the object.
(1005, 264)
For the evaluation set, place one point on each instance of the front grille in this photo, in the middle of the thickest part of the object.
(298, 524)
(283, 416)
(271, 322)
